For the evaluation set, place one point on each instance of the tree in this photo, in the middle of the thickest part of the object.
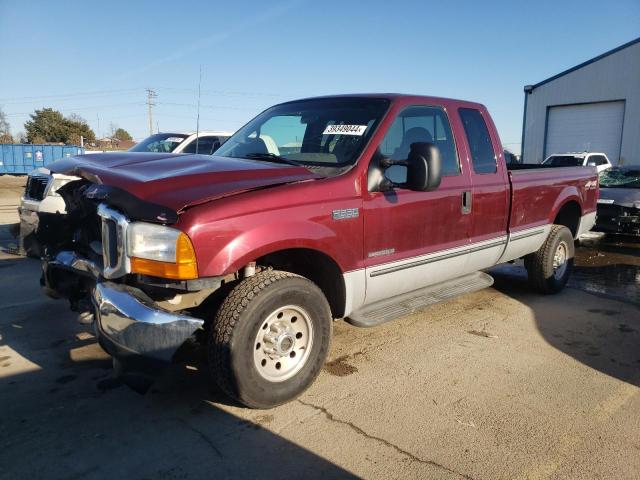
(122, 134)
(50, 125)
(77, 127)
(46, 124)
(5, 129)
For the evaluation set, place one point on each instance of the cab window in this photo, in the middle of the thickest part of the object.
(419, 124)
(483, 156)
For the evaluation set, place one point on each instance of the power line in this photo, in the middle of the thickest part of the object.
(74, 109)
(70, 95)
(224, 93)
(207, 106)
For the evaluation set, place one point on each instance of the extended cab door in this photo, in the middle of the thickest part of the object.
(414, 239)
(488, 198)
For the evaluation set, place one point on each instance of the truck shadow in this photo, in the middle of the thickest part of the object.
(63, 416)
(596, 337)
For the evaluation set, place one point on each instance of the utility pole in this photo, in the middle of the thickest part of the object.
(151, 94)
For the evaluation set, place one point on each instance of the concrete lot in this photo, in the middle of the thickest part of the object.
(499, 384)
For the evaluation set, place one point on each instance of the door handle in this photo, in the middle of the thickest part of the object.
(466, 202)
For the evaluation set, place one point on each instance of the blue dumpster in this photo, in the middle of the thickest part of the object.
(20, 159)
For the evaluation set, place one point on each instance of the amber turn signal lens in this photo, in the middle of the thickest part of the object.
(184, 268)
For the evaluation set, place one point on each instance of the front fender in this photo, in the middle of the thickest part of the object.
(268, 238)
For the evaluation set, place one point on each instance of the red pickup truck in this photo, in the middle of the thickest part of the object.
(359, 207)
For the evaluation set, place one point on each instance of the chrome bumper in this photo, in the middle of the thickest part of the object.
(131, 327)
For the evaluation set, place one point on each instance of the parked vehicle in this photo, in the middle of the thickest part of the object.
(592, 159)
(41, 195)
(209, 142)
(619, 202)
(382, 204)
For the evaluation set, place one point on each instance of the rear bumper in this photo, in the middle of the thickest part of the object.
(132, 329)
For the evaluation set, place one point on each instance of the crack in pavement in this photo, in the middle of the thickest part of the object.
(360, 431)
(203, 436)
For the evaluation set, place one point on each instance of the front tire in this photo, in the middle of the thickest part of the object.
(550, 267)
(270, 338)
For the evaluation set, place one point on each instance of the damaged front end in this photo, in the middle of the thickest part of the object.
(140, 319)
(615, 218)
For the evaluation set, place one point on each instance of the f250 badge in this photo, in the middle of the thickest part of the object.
(345, 213)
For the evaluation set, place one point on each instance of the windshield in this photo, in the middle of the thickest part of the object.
(564, 161)
(322, 133)
(160, 142)
(619, 177)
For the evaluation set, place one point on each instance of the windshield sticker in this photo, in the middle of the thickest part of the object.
(174, 139)
(345, 130)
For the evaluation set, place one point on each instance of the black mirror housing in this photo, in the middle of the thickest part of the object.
(424, 167)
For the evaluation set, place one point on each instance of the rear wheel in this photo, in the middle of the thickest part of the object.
(270, 338)
(549, 268)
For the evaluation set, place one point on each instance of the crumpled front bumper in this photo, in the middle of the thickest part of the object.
(133, 330)
(29, 244)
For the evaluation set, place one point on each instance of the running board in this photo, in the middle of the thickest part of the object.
(408, 303)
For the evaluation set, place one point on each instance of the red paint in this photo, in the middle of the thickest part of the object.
(296, 210)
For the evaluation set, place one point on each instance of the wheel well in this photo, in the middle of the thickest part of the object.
(569, 216)
(317, 267)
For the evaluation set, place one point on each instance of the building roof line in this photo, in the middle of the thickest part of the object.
(584, 64)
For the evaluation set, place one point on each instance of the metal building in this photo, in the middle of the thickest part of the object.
(594, 106)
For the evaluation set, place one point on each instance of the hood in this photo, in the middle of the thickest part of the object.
(178, 181)
(625, 197)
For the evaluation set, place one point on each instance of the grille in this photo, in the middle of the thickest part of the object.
(110, 242)
(114, 230)
(36, 186)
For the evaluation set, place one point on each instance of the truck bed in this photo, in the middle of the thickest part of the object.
(537, 191)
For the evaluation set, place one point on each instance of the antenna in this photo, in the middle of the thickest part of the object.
(198, 118)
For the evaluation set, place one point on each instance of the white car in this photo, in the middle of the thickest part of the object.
(584, 159)
(40, 195)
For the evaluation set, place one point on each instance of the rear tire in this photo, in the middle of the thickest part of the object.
(550, 267)
(270, 338)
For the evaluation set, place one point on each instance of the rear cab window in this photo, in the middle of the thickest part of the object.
(483, 156)
(564, 161)
(206, 145)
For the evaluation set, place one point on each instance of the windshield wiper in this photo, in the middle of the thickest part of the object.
(272, 157)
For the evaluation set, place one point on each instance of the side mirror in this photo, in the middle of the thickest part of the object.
(592, 163)
(424, 167)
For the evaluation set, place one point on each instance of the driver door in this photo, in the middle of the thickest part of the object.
(414, 239)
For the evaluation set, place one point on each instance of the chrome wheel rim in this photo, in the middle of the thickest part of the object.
(283, 343)
(560, 261)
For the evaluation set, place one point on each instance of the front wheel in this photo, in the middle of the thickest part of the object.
(270, 338)
(549, 268)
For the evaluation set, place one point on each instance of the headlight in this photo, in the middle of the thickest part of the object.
(56, 184)
(161, 251)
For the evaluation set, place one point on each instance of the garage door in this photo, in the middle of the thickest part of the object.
(594, 127)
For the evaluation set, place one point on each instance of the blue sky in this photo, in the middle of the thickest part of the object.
(95, 59)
